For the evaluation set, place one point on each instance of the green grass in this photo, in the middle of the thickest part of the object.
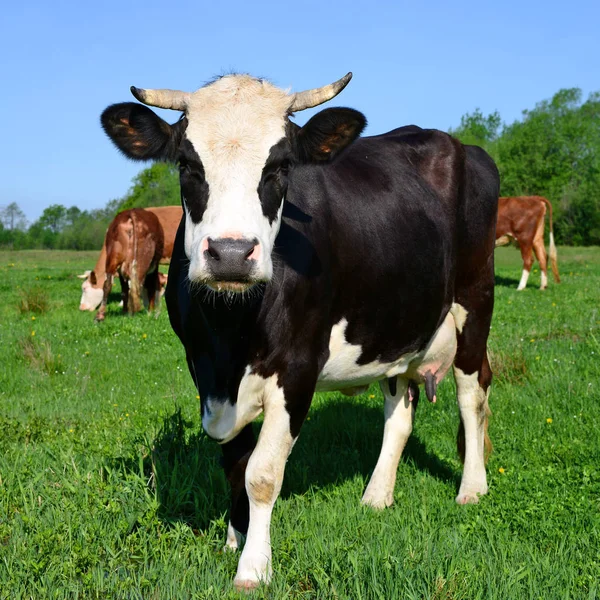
(109, 489)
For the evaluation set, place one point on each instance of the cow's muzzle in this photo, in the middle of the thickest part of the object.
(231, 263)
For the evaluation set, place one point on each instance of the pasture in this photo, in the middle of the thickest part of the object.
(109, 488)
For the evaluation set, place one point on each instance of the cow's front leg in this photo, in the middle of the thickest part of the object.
(264, 476)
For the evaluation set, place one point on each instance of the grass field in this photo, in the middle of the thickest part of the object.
(109, 488)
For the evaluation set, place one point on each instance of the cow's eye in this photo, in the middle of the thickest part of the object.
(284, 166)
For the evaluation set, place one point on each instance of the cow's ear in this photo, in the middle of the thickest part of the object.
(93, 279)
(141, 134)
(328, 133)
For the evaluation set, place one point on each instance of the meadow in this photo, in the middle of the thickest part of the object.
(110, 489)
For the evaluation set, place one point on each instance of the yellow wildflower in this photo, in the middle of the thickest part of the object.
(33, 318)
(32, 333)
(371, 395)
(501, 470)
(548, 420)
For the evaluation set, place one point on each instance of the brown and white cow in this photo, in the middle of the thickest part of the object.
(93, 284)
(522, 219)
(134, 245)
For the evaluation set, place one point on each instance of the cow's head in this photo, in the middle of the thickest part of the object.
(235, 146)
(91, 291)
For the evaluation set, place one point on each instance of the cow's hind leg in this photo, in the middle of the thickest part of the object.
(473, 377)
(399, 416)
(152, 289)
(527, 256)
(236, 454)
(124, 291)
(540, 253)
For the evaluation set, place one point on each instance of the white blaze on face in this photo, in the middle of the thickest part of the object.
(232, 125)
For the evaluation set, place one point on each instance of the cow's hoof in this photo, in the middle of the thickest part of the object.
(471, 496)
(377, 501)
(467, 499)
(234, 539)
(245, 585)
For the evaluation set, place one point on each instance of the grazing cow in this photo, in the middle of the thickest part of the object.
(522, 218)
(134, 245)
(310, 258)
(92, 288)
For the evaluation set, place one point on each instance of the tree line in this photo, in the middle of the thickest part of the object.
(552, 151)
(63, 228)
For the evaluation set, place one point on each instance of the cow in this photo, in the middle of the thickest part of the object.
(92, 287)
(522, 219)
(134, 245)
(310, 258)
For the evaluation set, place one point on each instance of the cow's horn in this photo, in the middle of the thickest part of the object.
(172, 99)
(310, 98)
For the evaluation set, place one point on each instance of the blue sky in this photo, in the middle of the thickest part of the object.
(426, 63)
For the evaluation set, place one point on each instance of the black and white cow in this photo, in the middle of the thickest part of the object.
(310, 259)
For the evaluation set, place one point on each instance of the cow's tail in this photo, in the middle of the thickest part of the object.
(134, 304)
(553, 254)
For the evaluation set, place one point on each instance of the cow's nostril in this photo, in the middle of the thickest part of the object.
(212, 251)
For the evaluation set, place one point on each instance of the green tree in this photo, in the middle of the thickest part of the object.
(157, 185)
(477, 129)
(54, 218)
(552, 151)
(12, 217)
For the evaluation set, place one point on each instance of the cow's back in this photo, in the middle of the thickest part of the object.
(375, 235)
(518, 216)
(147, 243)
(169, 218)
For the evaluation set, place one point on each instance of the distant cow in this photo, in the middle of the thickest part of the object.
(522, 218)
(92, 287)
(134, 245)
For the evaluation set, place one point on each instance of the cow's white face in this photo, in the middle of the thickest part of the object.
(234, 146)
(232, 168)
(91, 296)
